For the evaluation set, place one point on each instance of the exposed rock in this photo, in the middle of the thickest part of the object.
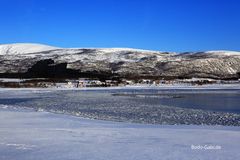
(33, 60)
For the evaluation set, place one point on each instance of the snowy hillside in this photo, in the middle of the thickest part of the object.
(226, 53)
(121, 62)
(23, 48)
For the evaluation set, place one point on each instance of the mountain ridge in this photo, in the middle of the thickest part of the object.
(49, 47)
(37, 60)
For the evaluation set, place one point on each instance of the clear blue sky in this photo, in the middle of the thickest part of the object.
(168, 25)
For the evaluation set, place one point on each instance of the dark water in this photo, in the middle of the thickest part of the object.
(225, 102)
(213, 100)
(151, 106)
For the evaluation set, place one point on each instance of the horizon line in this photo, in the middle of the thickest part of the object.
(133, 48)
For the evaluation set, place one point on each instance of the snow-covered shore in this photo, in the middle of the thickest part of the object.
(30, 135)
(159, 87)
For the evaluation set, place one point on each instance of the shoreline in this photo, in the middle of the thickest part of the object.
(122, 107)
(15, 109)
(139, 87)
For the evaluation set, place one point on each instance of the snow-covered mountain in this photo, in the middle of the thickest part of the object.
(40, 60)
(23, 48)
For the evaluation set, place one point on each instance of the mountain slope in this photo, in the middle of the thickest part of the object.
(23, 48)
(34, 60)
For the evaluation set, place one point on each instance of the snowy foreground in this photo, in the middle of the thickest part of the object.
(30, 135)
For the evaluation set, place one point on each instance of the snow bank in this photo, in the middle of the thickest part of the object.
(40, 135)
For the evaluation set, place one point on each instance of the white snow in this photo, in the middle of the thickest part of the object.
(33, 135)
(109, 50)
(101, 54)
(72, 54)
(11, 80)
(231, 70)
(225, 53)
(109, 55)
(23, 48)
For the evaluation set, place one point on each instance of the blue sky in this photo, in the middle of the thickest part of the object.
(167, 25)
